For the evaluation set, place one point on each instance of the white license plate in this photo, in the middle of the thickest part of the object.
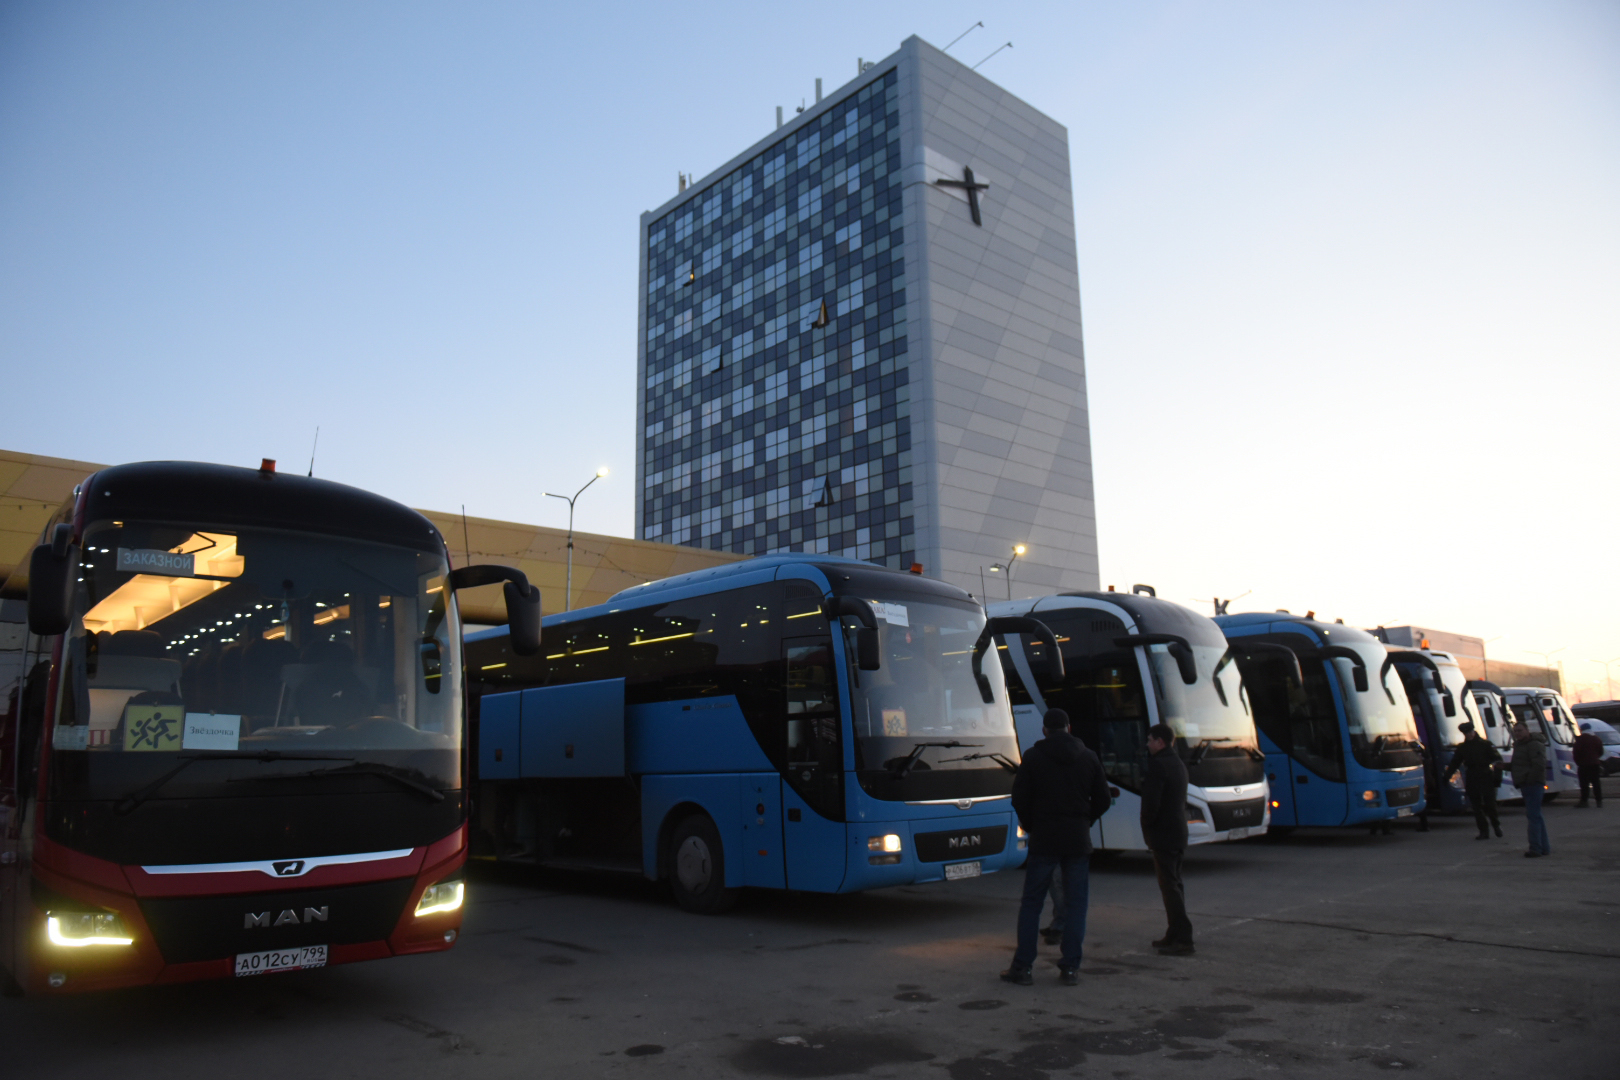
(263, 963)
(1405, 811)
(958, 871)
(1238, 833)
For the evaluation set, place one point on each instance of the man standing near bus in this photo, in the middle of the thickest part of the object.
(1589, 765)
(1164, 828)
(1530, 777)
(1059, 791)
(1482, 772)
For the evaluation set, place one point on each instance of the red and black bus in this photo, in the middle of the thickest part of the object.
(233, 730)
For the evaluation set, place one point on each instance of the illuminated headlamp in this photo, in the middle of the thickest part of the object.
(1369, 797)
(444, 896)
(890, 843)
(78, 929)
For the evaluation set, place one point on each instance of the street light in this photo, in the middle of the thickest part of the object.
(568, 597)
(1006, 568)
(1607, 675)
(1547, 656)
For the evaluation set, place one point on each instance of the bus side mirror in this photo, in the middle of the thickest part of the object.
(1450, 703)
(523, 618)
(868, 656)
(1359, 677)
(522, 602)
(50, 582)
(432, 663)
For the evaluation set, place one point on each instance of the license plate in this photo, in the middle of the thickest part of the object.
(1238, 833)
(958, 871)
(1405, 811)
(263, 963)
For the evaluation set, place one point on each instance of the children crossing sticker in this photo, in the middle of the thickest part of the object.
(153, 727)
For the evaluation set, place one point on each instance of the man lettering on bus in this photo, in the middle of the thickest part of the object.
(1530, 777)
(1059, 791)
(1164, 827)
(1482, 772)
(1589, 765)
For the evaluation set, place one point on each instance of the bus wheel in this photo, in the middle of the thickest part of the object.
(697, 867)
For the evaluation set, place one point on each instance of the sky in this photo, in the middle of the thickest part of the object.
(1350, 271)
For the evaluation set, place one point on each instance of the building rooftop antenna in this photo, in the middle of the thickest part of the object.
(986, 60)
(963, 34)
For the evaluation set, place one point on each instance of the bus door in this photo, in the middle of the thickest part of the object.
(1307, 777)
(813, 831)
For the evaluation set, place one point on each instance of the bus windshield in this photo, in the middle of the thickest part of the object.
(925, 696)
(261, 644)
(1383, 734)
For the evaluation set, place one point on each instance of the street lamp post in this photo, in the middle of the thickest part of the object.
(1547, 656)
(1608, 674)
(568, 588)
(1005, 568)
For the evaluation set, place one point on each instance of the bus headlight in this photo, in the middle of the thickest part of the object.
(77, 929)
(1195, 815)
(888, 845)
(1370, 798)
(445, 896)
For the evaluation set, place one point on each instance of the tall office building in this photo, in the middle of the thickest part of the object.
(862, 336)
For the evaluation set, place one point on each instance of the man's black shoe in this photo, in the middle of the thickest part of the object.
(1069, 976)
(1498, 829)
(1021, 976)
(1177, 948)
(1159, 943)
(1483, 836)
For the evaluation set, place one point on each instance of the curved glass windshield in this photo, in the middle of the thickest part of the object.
(1382, 732)
(1451, 726)
(922, 727)
(254, 644)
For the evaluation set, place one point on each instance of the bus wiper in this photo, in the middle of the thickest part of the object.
(898, 772)
(129, 802)
(1203, 747)
(403, 777)
(1000, 759)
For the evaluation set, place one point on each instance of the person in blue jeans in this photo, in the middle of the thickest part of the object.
(1530, 777)
(1059, 791)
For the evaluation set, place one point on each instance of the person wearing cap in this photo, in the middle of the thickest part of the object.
(1059, 791)
(1482, 772)
(1588, 765)
(1530, 777)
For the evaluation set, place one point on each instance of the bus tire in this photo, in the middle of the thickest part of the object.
(697, 867)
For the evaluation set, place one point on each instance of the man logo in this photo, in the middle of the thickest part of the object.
(290, 868)
(289, 917)
(966, 841)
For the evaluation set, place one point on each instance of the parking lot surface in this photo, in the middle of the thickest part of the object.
(1324, 954)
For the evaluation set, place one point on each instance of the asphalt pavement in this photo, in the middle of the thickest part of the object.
(1320, 954)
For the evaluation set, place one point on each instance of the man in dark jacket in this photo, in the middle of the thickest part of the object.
(1589, 765)
(1482, 772)
(1530, 777)
(1059, 791)
(1164, 827)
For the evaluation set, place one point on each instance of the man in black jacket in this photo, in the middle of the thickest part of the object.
(1059, 791)
(1481, 764)
(1164, 827)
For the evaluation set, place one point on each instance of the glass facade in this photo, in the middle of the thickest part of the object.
(777, 407)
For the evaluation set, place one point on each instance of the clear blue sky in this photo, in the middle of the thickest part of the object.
(1349, 271)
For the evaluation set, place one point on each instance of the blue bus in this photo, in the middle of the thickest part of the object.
(1335, 724)
(806, 722)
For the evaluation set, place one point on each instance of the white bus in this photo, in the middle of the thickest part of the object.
(1132, 661)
